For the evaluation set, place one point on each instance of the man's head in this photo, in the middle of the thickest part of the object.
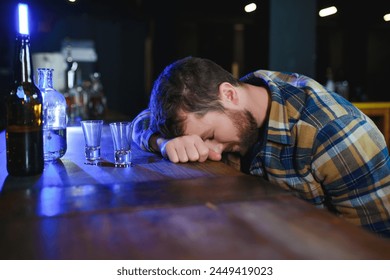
(189, 85)
(233, 131)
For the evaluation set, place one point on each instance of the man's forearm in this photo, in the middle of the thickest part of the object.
(154, 142)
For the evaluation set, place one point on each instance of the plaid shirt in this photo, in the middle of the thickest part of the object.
(318, 146)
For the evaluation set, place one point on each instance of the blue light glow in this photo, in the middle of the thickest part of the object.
(23, 19)
(50, 201)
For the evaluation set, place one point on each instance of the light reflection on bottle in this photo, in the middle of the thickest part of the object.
(23, 18)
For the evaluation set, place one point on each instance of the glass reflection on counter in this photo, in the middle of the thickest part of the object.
(49, 201)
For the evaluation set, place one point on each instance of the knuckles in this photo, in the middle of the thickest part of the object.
(186, 148)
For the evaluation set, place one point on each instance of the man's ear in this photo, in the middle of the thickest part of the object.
(228, 94)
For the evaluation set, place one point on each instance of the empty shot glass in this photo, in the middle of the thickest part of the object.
(92, 130)
(121, 133)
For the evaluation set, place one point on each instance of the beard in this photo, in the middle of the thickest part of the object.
(246, 125)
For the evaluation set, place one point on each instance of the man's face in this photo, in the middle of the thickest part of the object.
(232, 131)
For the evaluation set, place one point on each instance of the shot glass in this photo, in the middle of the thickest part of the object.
(92, 130)
(121, 133)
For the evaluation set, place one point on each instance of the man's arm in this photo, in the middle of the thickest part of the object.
(352, 164)
(180, 149)
(142, 133)
(188, 148)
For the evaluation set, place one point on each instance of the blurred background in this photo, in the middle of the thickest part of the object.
(128, 43)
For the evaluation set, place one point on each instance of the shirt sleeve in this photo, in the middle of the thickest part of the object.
(352, 164)
(142, 131)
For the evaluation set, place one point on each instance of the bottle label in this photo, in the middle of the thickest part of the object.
(22, 129)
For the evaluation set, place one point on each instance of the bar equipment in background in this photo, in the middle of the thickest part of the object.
(337, 83)
(72, 95)
(84, 90)
(54, 117)
(342, 88)
(330, 85)
(24, 128)
(53, 60)
(96, 105)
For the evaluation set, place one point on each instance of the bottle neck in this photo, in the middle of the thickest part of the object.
(45, 78)
(23, 60)
(71, 75)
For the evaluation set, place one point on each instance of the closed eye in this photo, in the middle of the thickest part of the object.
(208, 136)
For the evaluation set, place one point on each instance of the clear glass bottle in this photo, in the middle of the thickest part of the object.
(24, 139)
(54, 117)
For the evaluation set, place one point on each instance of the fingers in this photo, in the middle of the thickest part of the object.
(168, 150)
(190, 148)
(215, 156)
(214, 151)
(202, 151)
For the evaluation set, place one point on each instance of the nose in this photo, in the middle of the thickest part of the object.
(215, 146)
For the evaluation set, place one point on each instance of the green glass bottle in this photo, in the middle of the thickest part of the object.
(24, 130)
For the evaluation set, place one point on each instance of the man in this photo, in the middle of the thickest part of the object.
(286, 127)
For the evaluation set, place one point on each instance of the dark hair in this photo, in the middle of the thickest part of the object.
(189, 85)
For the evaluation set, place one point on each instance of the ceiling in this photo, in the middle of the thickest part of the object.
(348, 11)
(356, 12)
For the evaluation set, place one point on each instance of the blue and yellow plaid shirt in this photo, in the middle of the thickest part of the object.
(318, 146)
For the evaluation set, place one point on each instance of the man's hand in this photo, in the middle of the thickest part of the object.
(189, 148)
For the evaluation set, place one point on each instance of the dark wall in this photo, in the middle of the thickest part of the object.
(293, 36)
(207, 29)
(120, 49)
(119, 43)
(6, 53)
(355, 44)
(136, 39)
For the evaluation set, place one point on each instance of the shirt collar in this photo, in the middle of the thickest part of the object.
(279, 126)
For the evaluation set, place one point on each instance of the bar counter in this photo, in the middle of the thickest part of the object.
(160, 210)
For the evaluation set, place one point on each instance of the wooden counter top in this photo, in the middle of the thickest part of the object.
(160, 210)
